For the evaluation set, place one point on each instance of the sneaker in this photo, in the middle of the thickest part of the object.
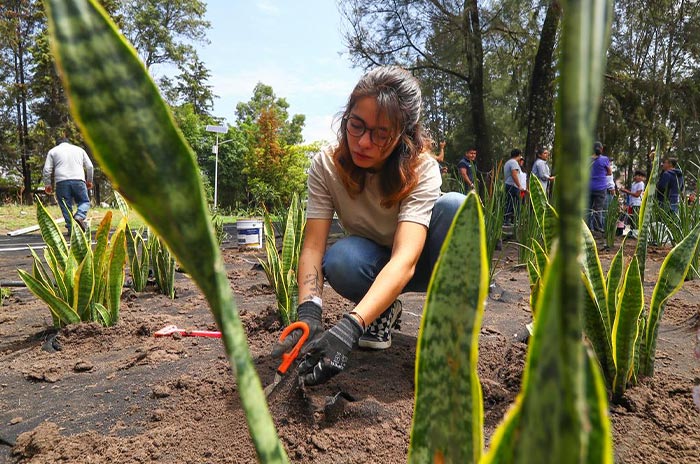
(80, 222)
(378, 334)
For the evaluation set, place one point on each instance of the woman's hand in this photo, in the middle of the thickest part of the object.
(310, 313)
(328, 355)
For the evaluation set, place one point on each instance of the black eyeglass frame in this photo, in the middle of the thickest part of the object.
(365, 129)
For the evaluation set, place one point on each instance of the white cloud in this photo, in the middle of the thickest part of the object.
(267, 7)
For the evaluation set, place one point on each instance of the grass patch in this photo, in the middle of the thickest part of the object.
(14, 217)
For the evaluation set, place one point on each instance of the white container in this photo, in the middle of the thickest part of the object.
(250, 233)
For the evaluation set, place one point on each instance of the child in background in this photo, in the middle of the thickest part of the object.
(634, 198)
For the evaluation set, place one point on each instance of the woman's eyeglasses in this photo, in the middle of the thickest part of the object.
(357, 128)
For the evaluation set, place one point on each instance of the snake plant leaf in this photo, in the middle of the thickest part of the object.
(448, 417)
(624, 331)
(594, 271)
(104, 315)
(528, 435)
(52, 235)
(598, 336)
(58, 274)
(540, 264)
(122, 205)
(648, 199)
(671, 277)
(612, 282)
(79, 242)
(600, 443)
(39, 270)
(133, 137)
(115, 276)
(63, 312)
(101, 241)
(84, 287)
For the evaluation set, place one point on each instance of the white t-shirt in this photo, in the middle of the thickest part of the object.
(67, 162)
(364, 215)
(636, 187)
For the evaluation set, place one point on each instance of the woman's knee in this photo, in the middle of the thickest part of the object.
(351, 264)
(446, 207)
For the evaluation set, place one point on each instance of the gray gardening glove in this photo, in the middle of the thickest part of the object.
(328, 355)
(307, 312)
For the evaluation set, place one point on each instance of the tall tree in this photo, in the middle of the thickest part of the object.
(264, 99)
(163, 31)
(190, 86)
(20, 19)
(540, 108)
(415, 35)
(651, 84)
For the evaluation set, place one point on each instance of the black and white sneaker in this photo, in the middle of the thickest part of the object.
(378, 333)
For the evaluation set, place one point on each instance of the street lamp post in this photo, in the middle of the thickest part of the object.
(218, 130)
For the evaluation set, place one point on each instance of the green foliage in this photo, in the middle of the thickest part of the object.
(493, 205)
(612, 214)
(273, 169)
(679, 226)
(281, 268)
(613, 304)
(132, 135)
(79, 283)
(448, 418)
(161, 31)
(139, 257)
(671, 276)
(4, 294)
(163, 265)
(560, 415)
(219, 232)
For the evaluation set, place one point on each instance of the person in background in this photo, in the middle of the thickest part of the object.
(600, 170)
(670, 185)
(634, 199)
(540, 169)
(467, 168)
(514, 187)
(440, 157)
(384, 185)
(72, 171)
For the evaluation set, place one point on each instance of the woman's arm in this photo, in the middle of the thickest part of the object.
(309, 274)
(408, 245)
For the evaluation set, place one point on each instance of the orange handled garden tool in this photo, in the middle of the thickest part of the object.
(288, 358)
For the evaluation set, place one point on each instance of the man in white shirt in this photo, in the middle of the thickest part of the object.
(72, 171)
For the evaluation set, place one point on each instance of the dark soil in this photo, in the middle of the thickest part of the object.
(89, 394)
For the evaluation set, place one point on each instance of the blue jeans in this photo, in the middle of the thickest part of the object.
(512, 200)
(351, 264)
(68, 191)
(596, 207)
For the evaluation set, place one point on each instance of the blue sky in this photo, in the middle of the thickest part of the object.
(294, 46)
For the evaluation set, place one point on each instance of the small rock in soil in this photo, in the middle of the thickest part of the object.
(83, 366)
(158, 415)
(161, 391)
(16, 420)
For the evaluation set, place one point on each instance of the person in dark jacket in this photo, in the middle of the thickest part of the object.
(670, 185)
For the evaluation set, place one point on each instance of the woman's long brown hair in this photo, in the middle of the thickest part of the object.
(398, 96)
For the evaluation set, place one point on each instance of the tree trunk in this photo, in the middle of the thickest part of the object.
(475, 61)
(540, 113)
(21, 108)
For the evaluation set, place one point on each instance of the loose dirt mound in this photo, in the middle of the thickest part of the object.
(119, 395)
